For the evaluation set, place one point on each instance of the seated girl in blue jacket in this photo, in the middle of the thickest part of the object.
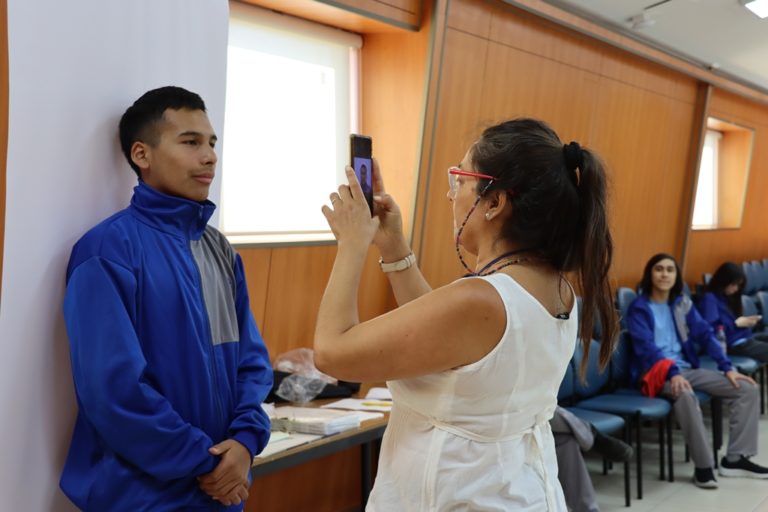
(663, 324)
(721, 305)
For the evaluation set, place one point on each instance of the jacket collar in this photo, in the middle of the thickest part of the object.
(171, 214)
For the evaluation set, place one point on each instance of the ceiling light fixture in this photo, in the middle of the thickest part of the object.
(641, 21)
(758, 7)
(644, 20)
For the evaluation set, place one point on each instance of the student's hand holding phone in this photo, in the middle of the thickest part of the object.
(747, 321)
(349, 215)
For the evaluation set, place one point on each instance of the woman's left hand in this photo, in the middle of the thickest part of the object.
(349, 216)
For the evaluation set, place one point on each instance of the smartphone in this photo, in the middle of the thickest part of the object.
(360, 160)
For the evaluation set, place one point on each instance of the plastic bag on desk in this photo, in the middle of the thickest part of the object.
(298, 388)
(301, 361)
(342, 390)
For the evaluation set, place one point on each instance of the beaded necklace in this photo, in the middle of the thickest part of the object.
(514, 261)
(485, 270)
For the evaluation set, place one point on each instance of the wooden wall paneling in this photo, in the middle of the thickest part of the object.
(647, 167)
(329, 484)
(297, 279)
(698, 133)
(637, 72)
(3, 122)
(732, 176)
(457, 126)
(394, 73)
(438, 29)
(708, 249)
(519, 29)
(256, 262)
(737, 109)
(541, 71)
(471, 16)
(525, 85)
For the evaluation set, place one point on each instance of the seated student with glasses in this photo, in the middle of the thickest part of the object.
(665, 330)
(721, 306)
(474, 366)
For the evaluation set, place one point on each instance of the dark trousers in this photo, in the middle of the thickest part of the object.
(755, 347)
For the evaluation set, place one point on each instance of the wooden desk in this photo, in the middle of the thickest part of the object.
(365, 436)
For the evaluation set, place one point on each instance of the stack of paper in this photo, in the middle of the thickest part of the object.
(313, 421)
(357, 404)
(379, 394)
(281, 441)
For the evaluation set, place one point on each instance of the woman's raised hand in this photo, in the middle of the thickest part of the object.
(389, 237)
(349, 216)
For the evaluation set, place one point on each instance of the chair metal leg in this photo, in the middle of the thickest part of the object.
(761, 378)
(687, 453)
(662, 476)
(627, 482)
(716, 406)
(670, 461)
(639, 455)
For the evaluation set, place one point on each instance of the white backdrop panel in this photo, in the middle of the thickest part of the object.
(74, 68)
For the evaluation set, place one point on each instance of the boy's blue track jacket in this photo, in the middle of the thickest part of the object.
(166, 357)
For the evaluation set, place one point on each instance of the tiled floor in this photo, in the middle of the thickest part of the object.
(733, 495)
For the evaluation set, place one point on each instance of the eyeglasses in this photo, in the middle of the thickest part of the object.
(455, 171)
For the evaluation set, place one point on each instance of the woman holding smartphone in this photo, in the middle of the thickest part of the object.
(721, 306)
(474, 366)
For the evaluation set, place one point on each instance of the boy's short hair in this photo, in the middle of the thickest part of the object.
(140, 121)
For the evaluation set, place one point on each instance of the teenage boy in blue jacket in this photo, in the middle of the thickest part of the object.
(169, 368)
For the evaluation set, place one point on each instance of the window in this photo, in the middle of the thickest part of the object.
(705, 205)
(291, 104)
(723, 176)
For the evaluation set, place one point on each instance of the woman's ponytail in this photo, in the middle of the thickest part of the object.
(594, 249)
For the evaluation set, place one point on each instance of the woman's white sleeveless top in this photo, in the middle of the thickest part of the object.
(477, 438)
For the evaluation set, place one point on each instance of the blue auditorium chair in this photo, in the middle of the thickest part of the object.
(633, 408)
(624, 296)
(603, 422)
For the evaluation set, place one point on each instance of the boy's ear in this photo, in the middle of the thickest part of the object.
(140, 155)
